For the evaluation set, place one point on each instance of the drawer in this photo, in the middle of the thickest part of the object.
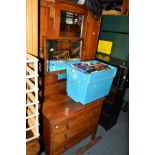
(71, 131)
(79, 120)
(59, 138)
(61, 147)
(59, 127)
(76, 139)
(58, 149)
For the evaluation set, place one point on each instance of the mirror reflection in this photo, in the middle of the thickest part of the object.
(63, 49)
(71, 24)
(60, 51)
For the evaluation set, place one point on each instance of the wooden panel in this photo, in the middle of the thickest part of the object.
(68, 129)
(29, 25)
(43, 23)
(46, 23)
(72, 7)
(59, 128)
(32, 27)
(80, 121)
(91, 37)
(46, 134)
(60, 148)
(125, 7)
(77, 138)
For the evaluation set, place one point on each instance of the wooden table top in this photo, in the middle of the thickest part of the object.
(57, 106)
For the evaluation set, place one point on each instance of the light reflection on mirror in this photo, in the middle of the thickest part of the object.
(71, 24)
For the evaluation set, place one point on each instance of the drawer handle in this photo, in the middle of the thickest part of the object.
(57, 126)
(66, 136)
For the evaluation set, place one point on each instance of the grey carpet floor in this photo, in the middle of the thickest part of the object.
(114, 142)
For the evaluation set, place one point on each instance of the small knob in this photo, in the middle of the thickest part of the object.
(57, 126)
(66, 136)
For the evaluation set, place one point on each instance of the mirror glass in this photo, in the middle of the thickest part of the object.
(63, 49)
(71, 24)
(60, 51)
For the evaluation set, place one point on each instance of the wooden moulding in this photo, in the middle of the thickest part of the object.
(111, 12)
(72, 7)
(51, 5)
(72, 4)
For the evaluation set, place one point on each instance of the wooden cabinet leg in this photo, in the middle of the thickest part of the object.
(87, 146)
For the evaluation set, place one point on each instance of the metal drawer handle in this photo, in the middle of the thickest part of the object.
(66, 136)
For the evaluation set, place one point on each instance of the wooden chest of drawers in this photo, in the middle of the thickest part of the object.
(65, 122)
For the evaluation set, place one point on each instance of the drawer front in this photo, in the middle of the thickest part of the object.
(59, 127)
(76, 138)
(59, 130)
(58, 149)
(75, 128)
(62, 147)
(71, 132)
(79, 119)
(71, 127)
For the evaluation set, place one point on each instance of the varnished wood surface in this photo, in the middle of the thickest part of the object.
(32, 27)
(58, 105)
(50, 26)
(66, 122)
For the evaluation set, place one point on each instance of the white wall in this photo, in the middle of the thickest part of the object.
(12, 76)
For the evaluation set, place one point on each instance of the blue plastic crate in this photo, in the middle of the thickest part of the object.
(87, 87)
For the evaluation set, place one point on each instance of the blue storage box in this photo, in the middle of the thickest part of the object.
(87, 87)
